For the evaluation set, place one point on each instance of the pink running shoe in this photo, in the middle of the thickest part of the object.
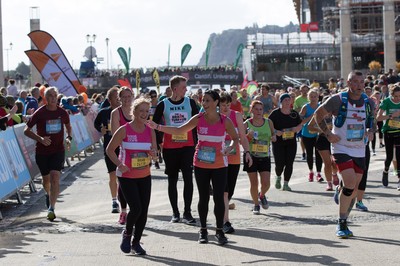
(122, 218)
(335, 179)
(319, 177)
(311, 177)
(329, 187)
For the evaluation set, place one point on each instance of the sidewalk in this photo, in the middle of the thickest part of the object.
(298, 228)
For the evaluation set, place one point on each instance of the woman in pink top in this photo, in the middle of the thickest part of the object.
(119, 117)
(210, 159)
(138, 146)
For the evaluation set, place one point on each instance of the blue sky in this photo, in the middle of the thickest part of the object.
(145, 26)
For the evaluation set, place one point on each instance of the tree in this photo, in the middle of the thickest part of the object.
(23, 69)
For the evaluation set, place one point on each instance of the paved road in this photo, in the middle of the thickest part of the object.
(299, 227)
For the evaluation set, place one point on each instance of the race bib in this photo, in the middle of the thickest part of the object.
(206, 154)
(53, 126)
(228, 143)
(140, 160)
(259, 148)
(355, 132)
(179, 138)
(394, 123)
(288, 135)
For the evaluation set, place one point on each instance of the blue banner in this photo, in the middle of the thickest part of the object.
(14, 173)
(80, 134)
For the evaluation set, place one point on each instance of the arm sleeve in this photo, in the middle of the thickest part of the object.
(159, 112)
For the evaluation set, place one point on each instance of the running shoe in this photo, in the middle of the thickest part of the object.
(381, 145)
(137, 249)
(361, 207)
(221, 238)
(336, 195)
(115, 207)
(303, 157)
(47, 199)
(122, 218)
(319, 178)
(256, 209)
(203, 236)
(335, 179)
(157, 166)
(329, 187)
(278, 182)
(188, 218)
(286, 187)
(126, 242)
(342, 231)
(311, 177)
(227, 228)
(175, 218)
(51, 215)
(394, 172)
(232, 206)
(264, 201)
(385, 179)
(398, 185)
(373, 153)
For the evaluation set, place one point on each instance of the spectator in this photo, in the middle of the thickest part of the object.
(31, 102)
(12, 89)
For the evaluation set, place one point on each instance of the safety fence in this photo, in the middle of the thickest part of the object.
(17, 154)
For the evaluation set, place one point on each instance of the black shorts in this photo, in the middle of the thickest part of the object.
(341, 158)
(111, 167)
(262, 164)
(50, 162)
(322, 143)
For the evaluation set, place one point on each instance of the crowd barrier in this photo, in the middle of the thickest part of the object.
(17, 153)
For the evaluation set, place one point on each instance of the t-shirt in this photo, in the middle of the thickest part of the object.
(283, 121)
(299, 102)
(390, 107)
(50, 123)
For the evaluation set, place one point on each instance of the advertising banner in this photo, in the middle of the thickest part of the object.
(28, 149)
(80, 133)
(12, 165)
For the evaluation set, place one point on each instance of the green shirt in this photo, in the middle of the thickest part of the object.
(390, 107)
(299, 102)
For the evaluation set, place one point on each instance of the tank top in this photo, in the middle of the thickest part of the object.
(176, 115)
(134, 153)
(352, 133)
(261, 142)
(304, 131)
(122, 119)
(211, 141)
(234, 155)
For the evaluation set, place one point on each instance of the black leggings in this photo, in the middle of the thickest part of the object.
(218, 177)
(137, 193)
(233, 172)
(175, 160)
(309, 144)
(363, 182)
(284, 154)
(390, 143)
(121, 197)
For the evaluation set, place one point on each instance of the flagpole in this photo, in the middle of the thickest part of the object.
(169, 49)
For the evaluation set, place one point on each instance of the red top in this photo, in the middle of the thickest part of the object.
(49, 123)
(237, 107)
(234, 155)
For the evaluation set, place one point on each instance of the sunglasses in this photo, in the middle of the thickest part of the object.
(153, 96)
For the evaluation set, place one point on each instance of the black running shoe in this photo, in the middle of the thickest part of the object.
(203, 236)
(188, 218)
(385, 179)
(221, 238)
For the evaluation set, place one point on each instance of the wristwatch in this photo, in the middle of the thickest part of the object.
(69, 138)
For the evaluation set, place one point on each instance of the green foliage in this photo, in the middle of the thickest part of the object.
(23, 69)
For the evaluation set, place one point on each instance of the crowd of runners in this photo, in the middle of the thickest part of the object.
(211, 134)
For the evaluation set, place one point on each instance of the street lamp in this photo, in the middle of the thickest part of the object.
(8, 69)
(91, 39)
(107, 40)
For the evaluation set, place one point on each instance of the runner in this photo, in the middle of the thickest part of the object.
(138, 145)
(178, 149)
(389, 110)
(119, 117)
(210, 159)
(352, 126)
(260, 133)
(102, 123)
(287, 123)
(50, 120)
(309, 138)
(269, 102)
(234, 156)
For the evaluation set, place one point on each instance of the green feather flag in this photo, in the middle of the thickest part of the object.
(124, 57)
(208, 51)
(185, 51)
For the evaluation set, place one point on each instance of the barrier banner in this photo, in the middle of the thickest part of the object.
(94, 134)
(12, 164)
(28, 149)
(80, 133)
